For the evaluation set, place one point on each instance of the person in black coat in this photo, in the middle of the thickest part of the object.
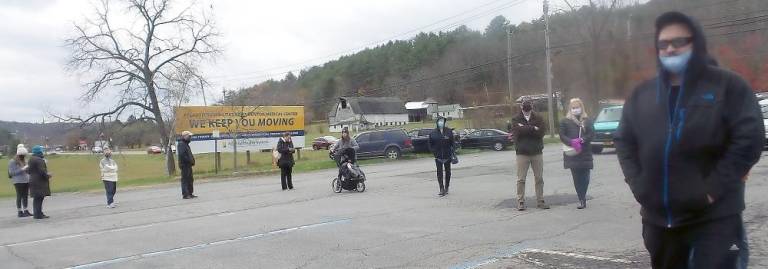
(686, 142)
(576, 131)
(186, 162)
(442, 145)
(39, 181)
(286, 162)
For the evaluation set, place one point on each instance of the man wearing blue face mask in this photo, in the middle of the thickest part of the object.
(686, 141)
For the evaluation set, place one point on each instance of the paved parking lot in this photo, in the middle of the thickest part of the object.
(399, 222)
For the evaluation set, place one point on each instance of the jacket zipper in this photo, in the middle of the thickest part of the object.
(668, 147)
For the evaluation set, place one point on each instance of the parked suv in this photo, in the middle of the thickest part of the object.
(764, 109)
(391, 144)
(605, 126)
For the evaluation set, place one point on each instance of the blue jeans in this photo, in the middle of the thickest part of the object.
(581, 182)
(111, 188)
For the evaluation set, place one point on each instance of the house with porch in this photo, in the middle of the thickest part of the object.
(364, 113)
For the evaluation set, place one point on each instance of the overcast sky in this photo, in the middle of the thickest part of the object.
(260, 38)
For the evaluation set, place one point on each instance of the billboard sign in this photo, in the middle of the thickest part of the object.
(256, 127)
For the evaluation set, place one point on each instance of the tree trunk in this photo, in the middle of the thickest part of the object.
(170, 163)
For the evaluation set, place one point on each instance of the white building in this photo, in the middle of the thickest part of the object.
(362, 113)
(448, 111)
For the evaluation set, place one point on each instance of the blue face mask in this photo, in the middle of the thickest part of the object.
(440, 124)
(676, 64)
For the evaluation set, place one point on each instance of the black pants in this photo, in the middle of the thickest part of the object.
(111, 188)
(286, 177)
(440, 176)
(22, 194)
(717, 244)
(581, 182)
(187, 180)
(37, 206)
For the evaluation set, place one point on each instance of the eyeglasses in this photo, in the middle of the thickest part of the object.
(675, 42)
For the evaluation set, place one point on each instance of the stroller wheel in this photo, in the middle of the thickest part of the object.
(336, 186)
(361, 186)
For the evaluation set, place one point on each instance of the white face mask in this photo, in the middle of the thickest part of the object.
(576, 111)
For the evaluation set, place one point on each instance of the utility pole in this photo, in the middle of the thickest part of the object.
(509, 71)
(550, 107)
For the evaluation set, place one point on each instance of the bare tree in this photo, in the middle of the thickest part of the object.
(149, 62)
(595, 16)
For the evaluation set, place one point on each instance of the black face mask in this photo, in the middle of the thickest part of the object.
(527, 108)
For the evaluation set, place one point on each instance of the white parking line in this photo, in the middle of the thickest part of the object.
(575, 255)
(522, 253)
(204, 245)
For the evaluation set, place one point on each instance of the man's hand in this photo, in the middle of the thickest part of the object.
(536, 128)
(709, 198)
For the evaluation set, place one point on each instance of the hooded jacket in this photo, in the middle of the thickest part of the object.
(441, 142)
(673, 160)
(528, 140)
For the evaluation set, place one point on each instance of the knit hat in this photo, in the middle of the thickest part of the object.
(21, 151)
(37, 150)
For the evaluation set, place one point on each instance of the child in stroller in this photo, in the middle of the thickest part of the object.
(350, 176)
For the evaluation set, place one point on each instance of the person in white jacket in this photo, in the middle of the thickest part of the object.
(109, 177)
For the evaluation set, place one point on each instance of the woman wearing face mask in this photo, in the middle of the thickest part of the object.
(576, 132)
(441, 144)
(286, 162)
(17, 173)
(109, 177)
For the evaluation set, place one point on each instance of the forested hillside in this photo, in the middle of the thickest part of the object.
(599, 52)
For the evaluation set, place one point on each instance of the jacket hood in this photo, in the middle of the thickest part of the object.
(445, 121)
(700, 57)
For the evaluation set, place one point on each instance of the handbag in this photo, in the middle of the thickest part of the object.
(570, 151)
(454, 158)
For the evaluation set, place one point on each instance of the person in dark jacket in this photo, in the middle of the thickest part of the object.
(286, 162)
(442, 145)
(686, 141)
(528, 128)
(39, 181)
(17, 172)
(186, 162)
(576, 131)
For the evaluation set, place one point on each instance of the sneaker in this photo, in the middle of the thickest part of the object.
(542, 205)
(27, 214)
(192, 196)
(42, 217)
(21, 214)
(521, 206)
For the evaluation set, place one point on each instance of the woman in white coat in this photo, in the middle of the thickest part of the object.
(109, 177)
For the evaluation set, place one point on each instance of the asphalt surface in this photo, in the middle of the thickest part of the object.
(398, 222)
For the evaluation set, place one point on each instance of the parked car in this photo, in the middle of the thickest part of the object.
(488, 138)
(391, 144)
(420, 138)
(605, 125)
(154, 150)
(322, 143)
(764, 109)
(97, 149)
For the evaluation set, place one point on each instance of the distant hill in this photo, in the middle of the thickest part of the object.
(36, 133)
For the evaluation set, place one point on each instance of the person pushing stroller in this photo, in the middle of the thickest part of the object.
(350, 176)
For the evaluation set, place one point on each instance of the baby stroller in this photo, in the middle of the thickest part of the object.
(350, 177)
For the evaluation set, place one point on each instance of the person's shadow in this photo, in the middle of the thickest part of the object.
(552, 200)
